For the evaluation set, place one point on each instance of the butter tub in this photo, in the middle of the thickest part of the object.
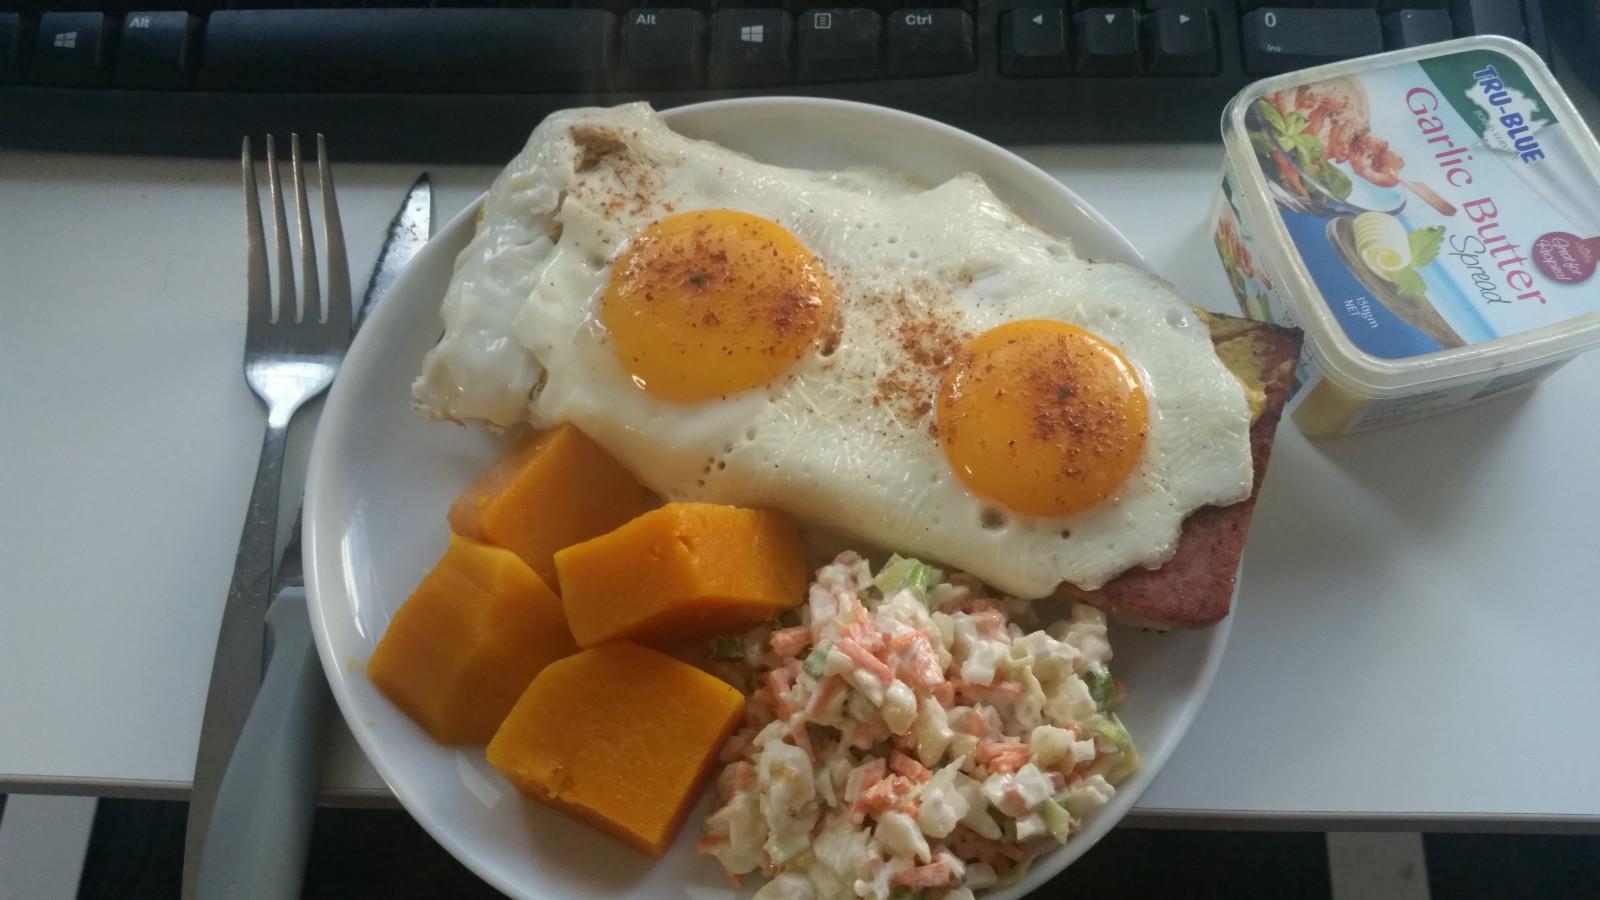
(1430, 217)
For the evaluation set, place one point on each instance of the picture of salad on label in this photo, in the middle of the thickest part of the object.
(1296, 147)
(1313, 132)
(1249, 282)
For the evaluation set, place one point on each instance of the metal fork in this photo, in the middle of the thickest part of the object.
(291, 352)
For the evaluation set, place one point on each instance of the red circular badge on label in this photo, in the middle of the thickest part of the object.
(1565, 257)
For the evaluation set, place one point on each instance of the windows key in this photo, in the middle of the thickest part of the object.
(72, 49)
(750, 46)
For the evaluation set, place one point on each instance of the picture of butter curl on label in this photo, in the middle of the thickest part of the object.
(1387, 259)
(1394, 254)
(1382, 244)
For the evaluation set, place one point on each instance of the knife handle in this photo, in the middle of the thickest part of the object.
(260, 828)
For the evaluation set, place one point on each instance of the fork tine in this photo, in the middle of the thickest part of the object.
(258, 291)
(280, 235)
(308, 243)
(338, 305)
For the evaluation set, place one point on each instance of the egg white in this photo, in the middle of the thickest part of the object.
(523, 343)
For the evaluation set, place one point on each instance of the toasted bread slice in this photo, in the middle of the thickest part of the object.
(1195, 587)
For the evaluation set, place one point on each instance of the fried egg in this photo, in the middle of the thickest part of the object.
(916, 367)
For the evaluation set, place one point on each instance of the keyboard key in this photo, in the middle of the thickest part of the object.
(661, 48)
(617, 6)
(10, 48)
(1181, 42)
(839, 44)
(1107, 41)
(1492, 17)
(1415, 27)
(405, 50)
(71, 49)
(104, 6)
(1033, 41)
(1247, 5)
(1277, 39)
(157, 50)
(750, 46)
(1389, 6)
(930, 41)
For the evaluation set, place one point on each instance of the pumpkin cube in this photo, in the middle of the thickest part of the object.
(682, 573)
(467, 642)
(548, 490)
(620, 736)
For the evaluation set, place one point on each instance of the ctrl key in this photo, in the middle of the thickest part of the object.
(71, 49)
(930, 41)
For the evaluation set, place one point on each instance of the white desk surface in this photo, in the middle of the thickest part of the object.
(1415, 644)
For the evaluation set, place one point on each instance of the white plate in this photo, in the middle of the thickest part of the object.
(381, 479)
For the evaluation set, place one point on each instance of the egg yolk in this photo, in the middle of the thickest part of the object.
(708, 303)
(1041, 417)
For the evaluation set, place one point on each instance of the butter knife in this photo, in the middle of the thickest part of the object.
(408, 231)
(259, 827)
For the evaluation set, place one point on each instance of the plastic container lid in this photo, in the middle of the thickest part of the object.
(1504, 282)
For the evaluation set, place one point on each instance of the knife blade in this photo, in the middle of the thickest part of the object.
(255, 825)
(408, 232)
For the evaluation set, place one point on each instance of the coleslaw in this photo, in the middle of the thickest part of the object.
(907, 738)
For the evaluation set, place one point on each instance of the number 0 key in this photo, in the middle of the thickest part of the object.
(1277, 39)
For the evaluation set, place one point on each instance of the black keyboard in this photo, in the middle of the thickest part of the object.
(465, 80)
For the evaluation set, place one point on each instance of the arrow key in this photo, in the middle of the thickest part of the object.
(1108, 41)
(1181, 42)
(1033, 42)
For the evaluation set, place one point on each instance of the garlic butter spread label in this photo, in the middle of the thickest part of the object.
(1436, 203)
